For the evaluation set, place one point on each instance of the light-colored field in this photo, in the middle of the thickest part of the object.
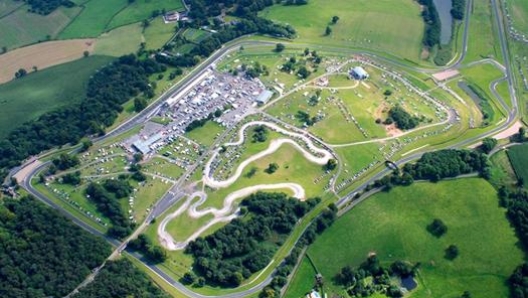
(391, 27)
(141, 10)
(393, 225)
(121, 41)
(42, 55)
(8, 6)
(23, 28)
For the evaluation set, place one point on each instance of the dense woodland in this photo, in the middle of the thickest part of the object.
(45, 7)
(448, 163)
(247, 245)
(43, 254)
(458, 9)
(106, 197)
(121, 279)
(518, 282)
(107, 90)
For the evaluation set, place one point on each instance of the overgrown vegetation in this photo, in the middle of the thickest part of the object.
(432, 23)
(246, 245)
(43, 254)
(458, 9)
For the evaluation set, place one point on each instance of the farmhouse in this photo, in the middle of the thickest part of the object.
(359, 73)
(171, 17)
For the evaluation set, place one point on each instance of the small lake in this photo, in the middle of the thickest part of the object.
(444, 12)
(409, 283)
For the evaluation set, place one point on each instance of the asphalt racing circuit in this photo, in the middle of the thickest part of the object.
(302, 142)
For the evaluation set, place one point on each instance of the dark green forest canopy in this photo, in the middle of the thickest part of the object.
(43, 254)
(47, 6)
(247, 245)
(121, 279)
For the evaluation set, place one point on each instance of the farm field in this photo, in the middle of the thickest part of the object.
(302, 281)
(27, 98)
(140, 10)
(21, 28)
(94, 18)
(42, 55)
(518, 156)
(519, 12)
(120, 41)
(502, 172)
(6, 7)
(393, 225)
(383, 26)
(158, 33)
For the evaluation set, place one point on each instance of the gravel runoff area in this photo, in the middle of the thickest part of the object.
(226, 213)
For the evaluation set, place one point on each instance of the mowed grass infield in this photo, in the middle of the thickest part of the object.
(29, 97)
(393, 225)
(519, 12)
(391, 27)
(518, 156)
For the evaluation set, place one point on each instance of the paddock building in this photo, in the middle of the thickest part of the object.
(359, 73)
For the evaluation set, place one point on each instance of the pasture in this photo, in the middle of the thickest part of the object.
(518, 156)
(42, 55)
(121, 41)
(140, 10)
(20, 28)
(94, 18)
(384, 26)
(158, 34)
(393, 225)
(43, 91)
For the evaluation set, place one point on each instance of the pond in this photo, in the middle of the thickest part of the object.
(409, 283)
(444, 11)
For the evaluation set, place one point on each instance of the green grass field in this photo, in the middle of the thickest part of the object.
(518, 156)
(140, 10)
(158, 33)
(8, 6)
(27, 98)
(393, 225)
(93, 19)
(303, 280)
(393, 28)
(502, 172)
(121, 41)
(206, 134)
(519, 12)
(21, 28)
(482, 40)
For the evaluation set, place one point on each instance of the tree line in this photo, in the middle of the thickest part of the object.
(246, 245)
(107, 90)
(458, 9)
(432, 23)
(43, 254)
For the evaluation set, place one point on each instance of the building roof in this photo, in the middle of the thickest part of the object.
(359, 71)
(264, 96)
(144, 146)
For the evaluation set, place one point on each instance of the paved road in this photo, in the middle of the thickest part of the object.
(170, 199)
